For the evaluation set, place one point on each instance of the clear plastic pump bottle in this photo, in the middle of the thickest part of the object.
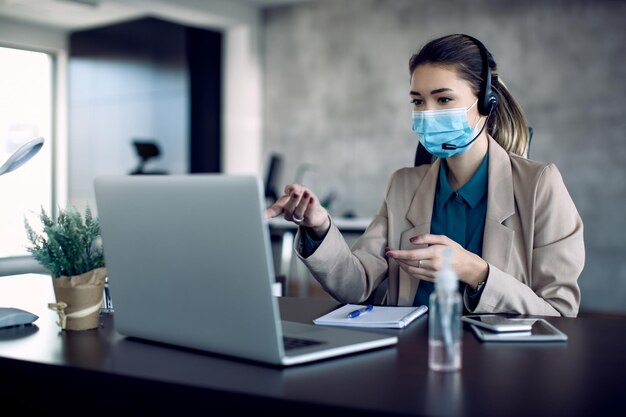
(444, 321)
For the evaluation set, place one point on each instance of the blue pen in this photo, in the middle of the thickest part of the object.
(357, 313)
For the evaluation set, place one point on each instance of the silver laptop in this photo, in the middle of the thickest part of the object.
(189, 263)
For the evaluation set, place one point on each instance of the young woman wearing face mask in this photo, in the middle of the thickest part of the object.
(515, 233)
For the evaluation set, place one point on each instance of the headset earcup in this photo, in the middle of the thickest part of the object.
(492, 103)
(485, 105)
(487, 101)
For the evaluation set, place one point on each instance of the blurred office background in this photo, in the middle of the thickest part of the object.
(225, 85)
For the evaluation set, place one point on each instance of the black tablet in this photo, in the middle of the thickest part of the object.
(541, 331)
(499, 323)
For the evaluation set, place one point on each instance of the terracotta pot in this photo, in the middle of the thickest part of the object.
(79, 299)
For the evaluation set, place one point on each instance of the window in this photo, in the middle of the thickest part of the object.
(26, 111)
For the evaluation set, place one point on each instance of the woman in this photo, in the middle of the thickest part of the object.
(516, 235)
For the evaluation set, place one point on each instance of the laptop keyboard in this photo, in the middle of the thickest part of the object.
(295, 343)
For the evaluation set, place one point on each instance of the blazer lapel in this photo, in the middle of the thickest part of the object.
(498, 239)
(421, 208)
(419, 215)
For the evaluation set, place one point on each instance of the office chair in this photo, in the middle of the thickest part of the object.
(146, 150)
(272, 177)
(422, 156)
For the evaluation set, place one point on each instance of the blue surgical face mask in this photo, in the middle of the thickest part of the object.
(436, 127)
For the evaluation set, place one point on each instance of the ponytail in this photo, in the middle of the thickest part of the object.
(508, 124)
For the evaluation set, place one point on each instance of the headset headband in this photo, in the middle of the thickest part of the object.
(487, 100)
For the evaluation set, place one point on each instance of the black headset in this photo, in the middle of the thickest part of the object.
(487, 99)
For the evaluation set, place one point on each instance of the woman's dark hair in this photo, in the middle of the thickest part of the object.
(508, 124)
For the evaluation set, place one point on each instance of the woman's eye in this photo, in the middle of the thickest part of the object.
(417, 102)
(444, 100)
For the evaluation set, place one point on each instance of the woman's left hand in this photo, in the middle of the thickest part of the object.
(425, 262)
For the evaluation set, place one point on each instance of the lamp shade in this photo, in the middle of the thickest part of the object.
(22, 155)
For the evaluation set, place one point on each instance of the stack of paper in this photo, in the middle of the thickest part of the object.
(378, 316)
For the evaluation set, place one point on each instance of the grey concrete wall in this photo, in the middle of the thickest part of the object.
(336, 101)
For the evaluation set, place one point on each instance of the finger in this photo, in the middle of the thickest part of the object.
(276, 208)
(272, 212)
(294, 193)
(428, 252)
(428, 239)
(313, 202)
(311, 208)
(424, 264)
(420, 264)
(301, 209)
(410, 269)
(401, 255)
(413, 254)
(428, 277)
(417, 272)
(291, 204)
(409, 262)
(297, 188)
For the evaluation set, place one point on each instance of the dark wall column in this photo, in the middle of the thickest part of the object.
(204, 54)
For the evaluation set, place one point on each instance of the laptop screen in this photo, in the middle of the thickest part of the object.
(189, 261)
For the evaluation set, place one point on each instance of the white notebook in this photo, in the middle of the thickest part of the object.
(378, 316)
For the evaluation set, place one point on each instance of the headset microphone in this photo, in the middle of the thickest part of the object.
(449, 146)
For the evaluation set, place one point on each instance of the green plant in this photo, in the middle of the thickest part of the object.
(69, 245)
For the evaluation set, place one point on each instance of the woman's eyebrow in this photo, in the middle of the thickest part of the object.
(436, 91)
(440, 90)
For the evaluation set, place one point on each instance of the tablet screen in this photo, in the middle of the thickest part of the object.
(500, 323)
(496, 320)
(541, 331)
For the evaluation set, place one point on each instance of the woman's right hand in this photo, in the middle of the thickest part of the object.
(302, 207)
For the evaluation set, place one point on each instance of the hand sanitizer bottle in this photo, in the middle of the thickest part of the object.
(444, 321)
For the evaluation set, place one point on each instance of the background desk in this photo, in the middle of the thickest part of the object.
(96, 371)
(287, 265)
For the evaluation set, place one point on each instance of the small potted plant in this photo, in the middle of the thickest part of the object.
(70, 247)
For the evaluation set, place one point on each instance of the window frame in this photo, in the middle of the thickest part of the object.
(23, 264)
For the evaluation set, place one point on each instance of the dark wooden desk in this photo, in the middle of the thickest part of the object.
(99, 372)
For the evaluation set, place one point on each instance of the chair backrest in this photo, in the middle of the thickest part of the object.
(272, 177)
(422, 156)
(146, 150)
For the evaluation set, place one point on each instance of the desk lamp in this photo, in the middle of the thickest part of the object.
(15, 316)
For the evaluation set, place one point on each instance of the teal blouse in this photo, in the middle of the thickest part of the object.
(460, 215)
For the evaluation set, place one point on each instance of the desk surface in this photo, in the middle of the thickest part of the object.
(344, 224)
(42, 365)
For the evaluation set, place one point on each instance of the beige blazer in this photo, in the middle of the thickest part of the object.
(533, 240)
